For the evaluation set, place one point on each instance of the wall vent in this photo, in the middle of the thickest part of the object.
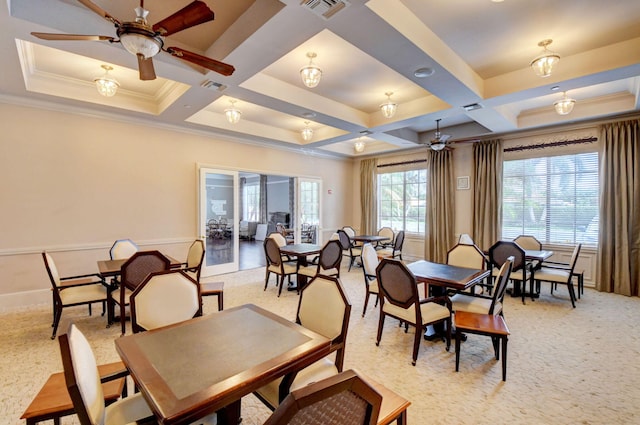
(325, 8)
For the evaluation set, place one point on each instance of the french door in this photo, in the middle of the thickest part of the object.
(218, 220)
(308, 208)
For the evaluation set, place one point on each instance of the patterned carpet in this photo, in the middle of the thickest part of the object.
(565, 366)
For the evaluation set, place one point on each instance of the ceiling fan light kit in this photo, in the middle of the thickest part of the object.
(145, 41)
(565, 105)
(310, 74)
(439, 142)
(543, 64)
(389, 107)
(107, 86)
(232, 114)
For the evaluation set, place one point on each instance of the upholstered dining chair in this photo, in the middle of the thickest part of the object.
(346, 398)
(123, 249)
(396, 250)
(469, 256)
(528, 242)
(132, 273)
(399, 299)
(482, 304)
(465, 239)
(276, 264)
(164, 298)
(559, 274)
(84, 385)
(328, 263)
(369, 263)
(387, 232)
(73, 290)
(193, 267)
(348, 249)
(324, 308)
(520, 270)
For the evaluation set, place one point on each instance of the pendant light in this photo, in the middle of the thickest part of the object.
(106, 84)
(233, 115)
(358, 146)
(565, 105)
(311, 74)
(307, 133)
(389, 107)
(543, 64)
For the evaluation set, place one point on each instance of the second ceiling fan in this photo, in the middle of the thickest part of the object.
(145, 41)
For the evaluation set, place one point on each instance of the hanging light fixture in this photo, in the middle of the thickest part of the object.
(106, 84)
(233, 115)
(389, 107)
(307, 133)
(543, 64)
(358, 146)
(564, 106)
(311, 73)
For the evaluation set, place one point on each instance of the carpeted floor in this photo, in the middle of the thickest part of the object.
(565, 365)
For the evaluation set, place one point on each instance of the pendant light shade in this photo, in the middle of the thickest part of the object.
(543, 64)
(107, 86)
(310, 74)
(307, 133)
(389, 107)
(358, 146)
(565, 105)
(232, 114)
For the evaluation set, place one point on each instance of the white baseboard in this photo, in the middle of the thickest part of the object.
(19, 300)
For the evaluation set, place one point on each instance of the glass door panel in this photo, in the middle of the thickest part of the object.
(308, 210)
(218, 220)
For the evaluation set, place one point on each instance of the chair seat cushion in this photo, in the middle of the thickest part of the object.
(83, 294)
(552, 275)
(288, 268)
(373, 286)
(431, 312)
(308, 270)
(471, 304)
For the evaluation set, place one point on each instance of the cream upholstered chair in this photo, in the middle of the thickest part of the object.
(469, 256)
(387, 232)
(123, 249)
(528, 242)
(276, 264)
(193, 267)
(73, 290)
(346, 398)
(164, 298)
(520, 270)
(396, 249)
(84, 386)
(369, 264)
(475, 303)
(328, 263)
(555, 273)
(325, 309)
(132, 273)
(399, 299)
(465, 239)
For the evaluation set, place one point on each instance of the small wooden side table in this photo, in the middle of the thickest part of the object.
(483, 324)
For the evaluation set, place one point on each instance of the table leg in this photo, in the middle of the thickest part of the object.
(230, 415)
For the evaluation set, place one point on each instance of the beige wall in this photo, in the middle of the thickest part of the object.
(72, 184)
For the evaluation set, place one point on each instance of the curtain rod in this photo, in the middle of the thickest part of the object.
(415, 161)
(551, 144)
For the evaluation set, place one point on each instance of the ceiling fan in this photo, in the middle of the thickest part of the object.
(439, 142)
(145, 41)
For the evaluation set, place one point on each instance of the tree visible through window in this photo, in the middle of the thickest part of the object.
(251, 202)
(402, 200)
(554, 198)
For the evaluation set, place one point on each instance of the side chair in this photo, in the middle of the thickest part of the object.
(276, 264)
(369, 263)
(348, 248)
(193, 268)
(559, 274)
(521, 269)
(73, 290)
(324, 308)
(328, 263)
(123, 249)
(396, 249)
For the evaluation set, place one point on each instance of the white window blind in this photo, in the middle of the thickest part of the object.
(402, 200)
(552, 198)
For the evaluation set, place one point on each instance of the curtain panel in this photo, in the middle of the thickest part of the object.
(619, 234)
(369, 196)
(487, 193)
(440, 219)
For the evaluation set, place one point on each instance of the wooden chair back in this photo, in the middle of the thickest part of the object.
(397, 284)
(195, 257)
(272, 252)
(501, 287)
(502, 250)
(142, 263)
(330, 257)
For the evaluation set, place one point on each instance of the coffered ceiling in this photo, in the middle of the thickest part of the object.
(479, 52)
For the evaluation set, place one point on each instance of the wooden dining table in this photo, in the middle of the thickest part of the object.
(191, 369)
(300, 251)
(111, 268)
(369, 238)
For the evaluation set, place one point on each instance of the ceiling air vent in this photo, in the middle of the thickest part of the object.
(208, 84)
(325, 8)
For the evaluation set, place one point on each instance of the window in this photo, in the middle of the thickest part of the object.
(402, 200)
(554, 199)
(251, 202)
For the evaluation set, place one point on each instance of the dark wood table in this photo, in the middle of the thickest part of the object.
(111, 268)
(533, 255)
(204, 365)
(300, 251)
(369, 238)
(439, 277)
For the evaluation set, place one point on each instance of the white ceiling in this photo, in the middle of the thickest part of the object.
(480, 51)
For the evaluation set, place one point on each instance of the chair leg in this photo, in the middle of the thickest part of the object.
(416, 344)
(504, 357)
(56, 320)
(380, 326)
(366, 301)
(220, 301)
(281, 285)
(123, 318)
(572, 293)
(266, 280)
(449, 326)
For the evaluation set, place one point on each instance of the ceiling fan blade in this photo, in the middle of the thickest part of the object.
(212, 64)
(145, 67)
(444, 137)
(72, 37)
(191, 15)
(97, 9)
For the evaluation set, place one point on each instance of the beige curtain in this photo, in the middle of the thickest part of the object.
(619, 237)
(487, 193)
(440, 219)
(368, 196)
